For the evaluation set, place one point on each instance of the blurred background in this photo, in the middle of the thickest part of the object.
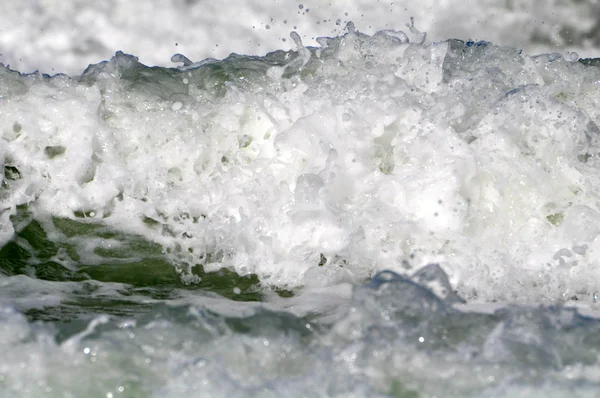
(65, 36)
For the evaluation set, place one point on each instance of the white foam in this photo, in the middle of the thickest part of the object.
(385, 155)
(388, 155)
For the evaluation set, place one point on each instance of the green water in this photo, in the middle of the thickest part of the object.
(140, 267)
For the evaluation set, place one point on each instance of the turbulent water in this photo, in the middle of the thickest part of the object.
(371, 217)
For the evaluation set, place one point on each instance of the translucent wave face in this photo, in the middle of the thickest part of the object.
(393, 337)
(322, 165)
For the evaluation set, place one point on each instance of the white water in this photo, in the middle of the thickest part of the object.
(314, 170)
(391, 156)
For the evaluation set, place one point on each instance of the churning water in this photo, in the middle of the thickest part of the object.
(371, 217)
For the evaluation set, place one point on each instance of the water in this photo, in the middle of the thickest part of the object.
(375, 216)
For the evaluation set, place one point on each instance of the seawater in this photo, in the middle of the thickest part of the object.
(375, 216)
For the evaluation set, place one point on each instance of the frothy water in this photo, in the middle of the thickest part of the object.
(376, 216)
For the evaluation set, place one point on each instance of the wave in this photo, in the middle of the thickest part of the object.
(347, 205)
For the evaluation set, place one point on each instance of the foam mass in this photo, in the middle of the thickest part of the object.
(321, 165)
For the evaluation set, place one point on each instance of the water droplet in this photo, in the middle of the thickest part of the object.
(296, 38)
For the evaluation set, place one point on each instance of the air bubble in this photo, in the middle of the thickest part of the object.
(573, 56)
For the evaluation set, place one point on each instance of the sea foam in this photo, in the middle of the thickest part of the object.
(325, 164)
